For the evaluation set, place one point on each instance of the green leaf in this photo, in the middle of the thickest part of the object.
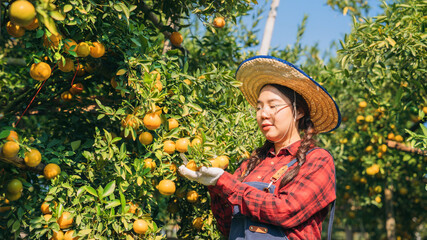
(91, 190)
(16, 226)
(125, 9)
(57, 15)
(195, 106)
(75, 145)
(85, 232)
(109, 189)
(114, 203)
(67, 8)
(121, 72)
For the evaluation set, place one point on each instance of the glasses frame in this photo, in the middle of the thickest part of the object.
(259, 111)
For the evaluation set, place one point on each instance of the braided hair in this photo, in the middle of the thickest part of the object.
(304, 124)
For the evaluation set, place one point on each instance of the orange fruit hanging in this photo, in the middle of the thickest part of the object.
(219, 22)
(70, 45)
(14, 186)
(176, 39)
(222, 161)
(192, 196)
(131, 121)
(59, 235)
(12, 136)
(97, 50)
(66, 96)
(68, 66)
(76, 89)
(149, 163)
(45, 208)
(10, 149)
(166, 187)
(152, 121)
(65, 221)
(173, 123)
(22, 13)
(83, 49)
(33, 25)
(69, 235)
(182, 145)
(32, 158)
(14, 30)
(140, 226)
(51, 171)
(169, 146)
(40, 71)
(52, 41)
(145, 138)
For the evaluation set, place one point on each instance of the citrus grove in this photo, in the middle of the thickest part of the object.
(100, 98)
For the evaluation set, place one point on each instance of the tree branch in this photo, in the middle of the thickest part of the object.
(403, 147)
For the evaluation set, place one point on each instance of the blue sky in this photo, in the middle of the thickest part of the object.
(324, 25)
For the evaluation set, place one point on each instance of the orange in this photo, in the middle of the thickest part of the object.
(51, 171)
(13, 196)
(363, 104)
(47, 217)
(132, 207)
(173, 167)
(188, 82)
(59, 235)
(192, 166)
(158, 83)
(403, 190)
(369, 118)
(70, 45)
(40, 71)
(131, 121)
(149, 163)
(10, 149)
(66, 96)
(169, 146)
(425, 110)
(65, 221)
(145, 138)
(14, 186)
(97, 50)
(383, 148)
(83, 49)
(33, 158)
(15, 30)
(390, 136)
(398, 138)
(45, 208)
(376, 168)
(4, 209)
(166, 187)
(68, 66)
(140, 226)
(12, 136)
(182, 145)
(198, 223)
(80, 69)
(22, 13)
(214, 163)
(192, 196)
(158, 76)
(69, 235)
(52, 41)
(369, 148)
(158, 110)
(172, 123)
(152, 121)
(219, 22)
(76, 89)
(33, 25)
(360, 119)
(378, 199)
(222, 161)
(176, 39)
(196, 142)
(370, 171)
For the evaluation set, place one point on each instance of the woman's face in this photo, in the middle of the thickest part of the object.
(275, 116)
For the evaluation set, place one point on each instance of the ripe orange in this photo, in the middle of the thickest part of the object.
(425, 110)
(390, 136)
(70, 45)
(145, 138)
(378, 199)
(45, 208)
(97, 50)
(360, 119)
(398, 138)
(166, 187)
(69, 235)
(52, 41)
(158, 110)
(214, 163)
(40, 71)
(22, 13)
(59, 235)
(173, 123)
(369, 118)
(152, 121)
(176, 39)
(363, 104)
(51, 171)
(192, 166)
(13, 196)
(158, 83)
(68, 66)
(198, 223)
(182, 145)
(33, 25)
(132, 207)
(149, 163)
(196, 142)
(369, 148)
(66, 96)
(15, 30)
(140, 226)
(169, 146)
(12, 136)
(65, 221)
(33, 158)
(219, 22)
(188, 82)
(14, 186)
(383, 148)
(10, 149)
(80, 69)
(223, 161)
(76, 89)
(83, 49)
(131, 121)
(192, 196)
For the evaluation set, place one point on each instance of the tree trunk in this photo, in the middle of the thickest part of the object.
(390, 220)
(269, 26)
(348, 233)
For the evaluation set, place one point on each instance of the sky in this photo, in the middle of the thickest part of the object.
(323, 26)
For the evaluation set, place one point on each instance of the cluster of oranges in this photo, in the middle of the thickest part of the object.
(65, 221)
(22, 17)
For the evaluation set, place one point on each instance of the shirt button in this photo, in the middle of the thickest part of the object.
(226, 205)
(259, 177)
(272, 163)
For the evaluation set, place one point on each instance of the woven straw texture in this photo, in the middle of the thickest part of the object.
(259, 71)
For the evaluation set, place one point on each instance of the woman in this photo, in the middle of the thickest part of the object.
(283, 191)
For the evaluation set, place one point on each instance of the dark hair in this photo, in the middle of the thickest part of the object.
(304, 124)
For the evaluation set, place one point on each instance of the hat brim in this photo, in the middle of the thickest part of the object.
(256, 72)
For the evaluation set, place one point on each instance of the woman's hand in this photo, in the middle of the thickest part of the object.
(207, 176)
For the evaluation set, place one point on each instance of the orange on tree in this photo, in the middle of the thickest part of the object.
(22, 13)
(97, 50)
(196, 142)
(52, 41)
(69, 235)
(158, 84)
(83, 49)
(70, 45)
(169, 146)
(65, 220)
(166, 187)
(214, 163)
(398, 138)
(80, 69)
(173, 167)
(47, 217)
(58, 235)
(51, 171)
(198, 223)
(149, 163)
(15, 30)
(10, 149)
(181, 145)
(13, 196)
(425, 110)
(187, 81)
(132, 207)
(12, 136)
(172, 123)
(378, 199)
(76, 89)
(66, 96)
(390, 136)
(363, 104)
(222, 161)
(45, 208)
(14, 186)
(66, 66)
(192, 166)
(131, 121)
(40, 71)
(176, 39)
(33, 25)
(369, 118)
(383, 148)
(158, 110)
(140, 226)
(369, 148)
(219, 22)
(152, 121)
(192, 196)
(145, 138)
(360, 119)
(403, 190)
(32, 158)
(4, 209)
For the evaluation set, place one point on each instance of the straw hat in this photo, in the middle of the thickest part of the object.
(258, 71)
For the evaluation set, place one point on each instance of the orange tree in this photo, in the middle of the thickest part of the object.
(115, 89)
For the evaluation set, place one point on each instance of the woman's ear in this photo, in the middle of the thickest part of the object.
(299, 115)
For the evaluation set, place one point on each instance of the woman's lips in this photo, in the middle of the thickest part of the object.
(266, 126)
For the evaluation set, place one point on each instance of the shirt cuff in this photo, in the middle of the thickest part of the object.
(226, 184)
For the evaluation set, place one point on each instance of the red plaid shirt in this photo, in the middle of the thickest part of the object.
(299, 207)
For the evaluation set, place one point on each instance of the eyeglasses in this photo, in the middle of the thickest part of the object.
(271, 110)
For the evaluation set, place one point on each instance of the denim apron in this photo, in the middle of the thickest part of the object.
(244, 228)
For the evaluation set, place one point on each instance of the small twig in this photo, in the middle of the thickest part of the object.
(403, 147)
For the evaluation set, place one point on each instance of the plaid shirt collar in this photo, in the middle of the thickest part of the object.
(285, 151)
